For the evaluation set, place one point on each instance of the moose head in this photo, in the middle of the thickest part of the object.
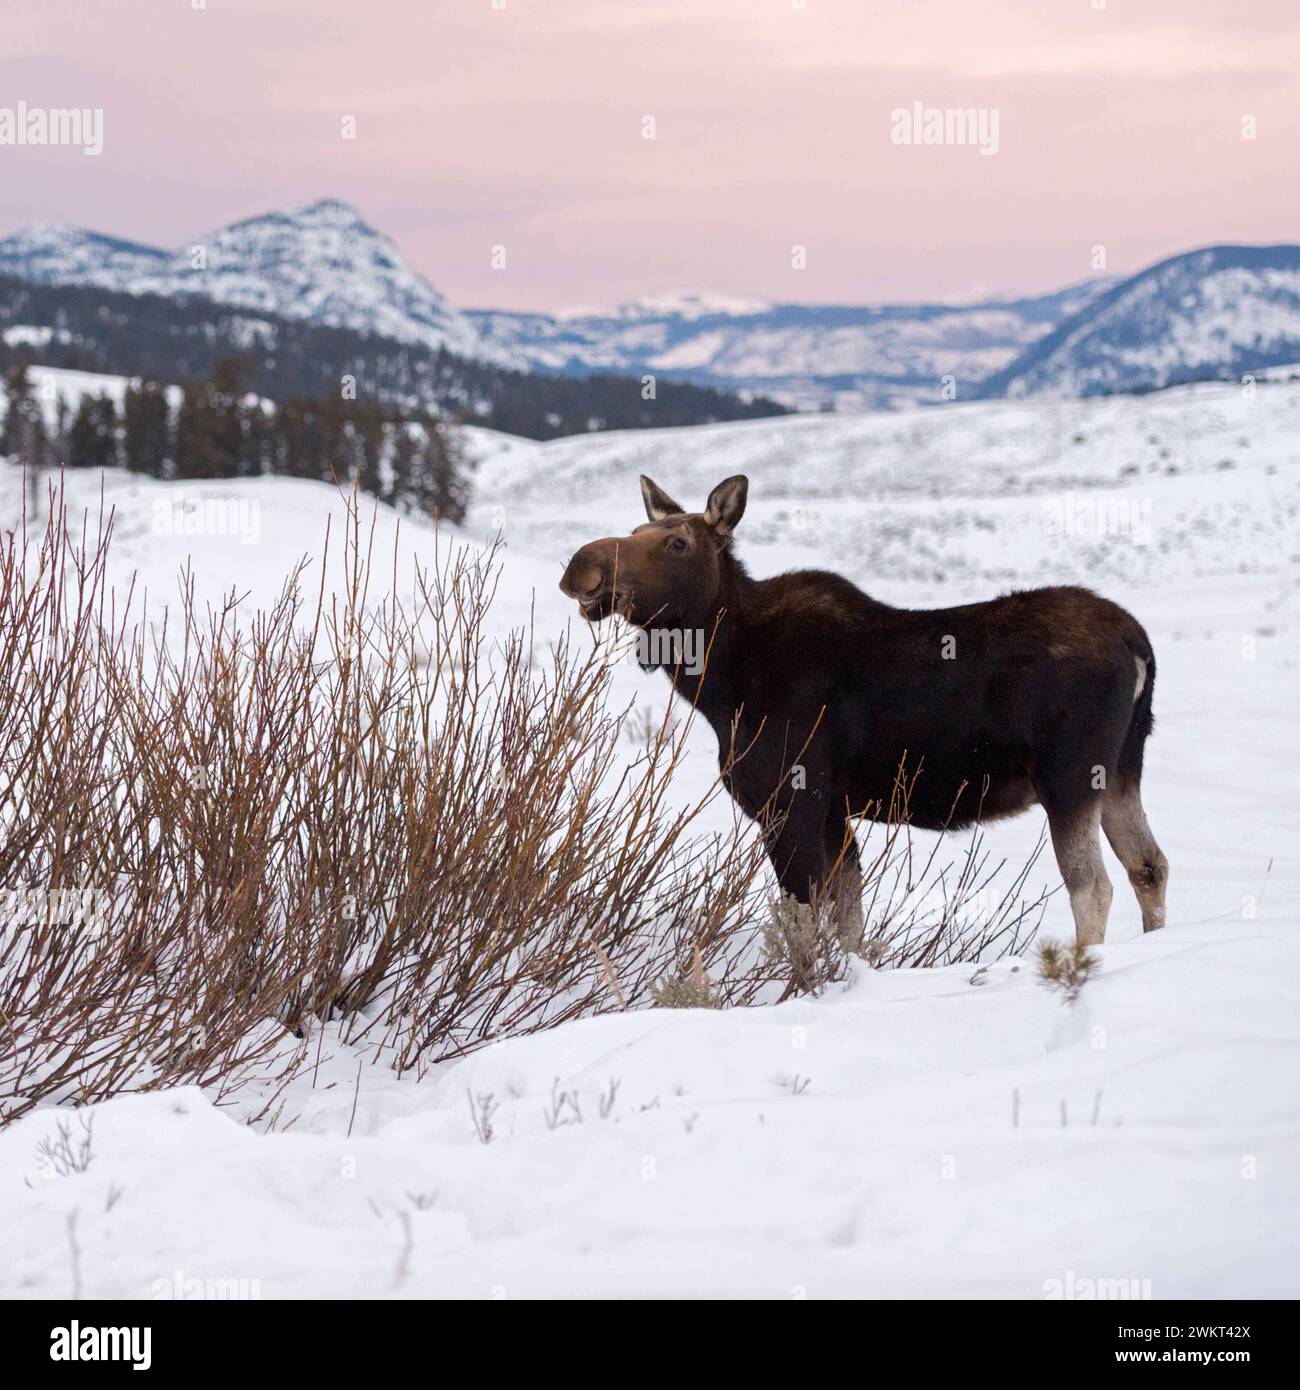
(670, 570)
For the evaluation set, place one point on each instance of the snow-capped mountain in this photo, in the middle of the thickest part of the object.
(871, 356)
(320, 262)
(1219, 312)
(57, 253)
(1215, 312)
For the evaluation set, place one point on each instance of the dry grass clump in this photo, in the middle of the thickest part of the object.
(1066, 968)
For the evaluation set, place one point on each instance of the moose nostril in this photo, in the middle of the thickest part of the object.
(583, 581)
(587, 578)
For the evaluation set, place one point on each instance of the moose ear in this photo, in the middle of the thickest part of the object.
(727, 504)
(658, 504)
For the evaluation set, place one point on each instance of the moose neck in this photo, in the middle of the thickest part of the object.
(703, 674)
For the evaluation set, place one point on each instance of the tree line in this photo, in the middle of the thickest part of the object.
(218, 428)
(159, 338)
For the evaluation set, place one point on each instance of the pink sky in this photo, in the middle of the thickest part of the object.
(480, 126)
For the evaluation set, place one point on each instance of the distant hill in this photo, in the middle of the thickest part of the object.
(1221, 312)
(855, 357)
(170, 339)
(1208, 313)
(320, 262)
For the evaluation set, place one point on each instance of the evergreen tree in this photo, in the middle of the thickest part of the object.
(146, 433)
(336, 452)
(407, 457)
(58, 444)
(92, 438)
(23, 436)
(231, 418)
(215, 432)
(370, 441)
(401, 464)
(436, 473)
(195, 455)
(296, 446)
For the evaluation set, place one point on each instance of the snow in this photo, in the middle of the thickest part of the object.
(697, 305)
(322, 262)
(1220, 311)
(34, 335)
(929, 1132)
(52, 384)
(319, 261)
(1224, 311)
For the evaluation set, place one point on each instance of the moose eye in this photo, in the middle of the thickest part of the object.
(678, 543)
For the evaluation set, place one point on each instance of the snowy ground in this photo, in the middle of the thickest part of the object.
(914, 1133)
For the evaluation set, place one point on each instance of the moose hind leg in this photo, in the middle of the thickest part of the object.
(1076, 838)
(1125, 823)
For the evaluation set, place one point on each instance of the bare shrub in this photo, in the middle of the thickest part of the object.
(482, 1108)
(350, 809)
(945, 905)
(61, 1155)
(644, 726)
(563, 1109)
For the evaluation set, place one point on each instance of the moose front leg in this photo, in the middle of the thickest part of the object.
(816, 858)
(844, 885)
(796, 845)
(816, 862)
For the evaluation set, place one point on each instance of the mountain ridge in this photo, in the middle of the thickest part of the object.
(1192, 316)
(319, 261)
(322, 263)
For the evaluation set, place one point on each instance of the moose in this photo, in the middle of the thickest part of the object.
(823, 698)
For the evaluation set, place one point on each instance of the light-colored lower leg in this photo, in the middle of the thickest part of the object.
(842, 894)
(1077, 843)
(1125, 824)
(845, 893)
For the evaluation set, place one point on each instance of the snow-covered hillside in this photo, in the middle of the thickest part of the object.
(1222, 312)
(319, 262)
(930, 1132)
(1218, 312)
(804, 355)
(323, 263)
(57, 253)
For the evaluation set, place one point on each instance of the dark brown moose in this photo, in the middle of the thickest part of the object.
(823, 699)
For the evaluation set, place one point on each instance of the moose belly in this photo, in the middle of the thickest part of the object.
(952, 793)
